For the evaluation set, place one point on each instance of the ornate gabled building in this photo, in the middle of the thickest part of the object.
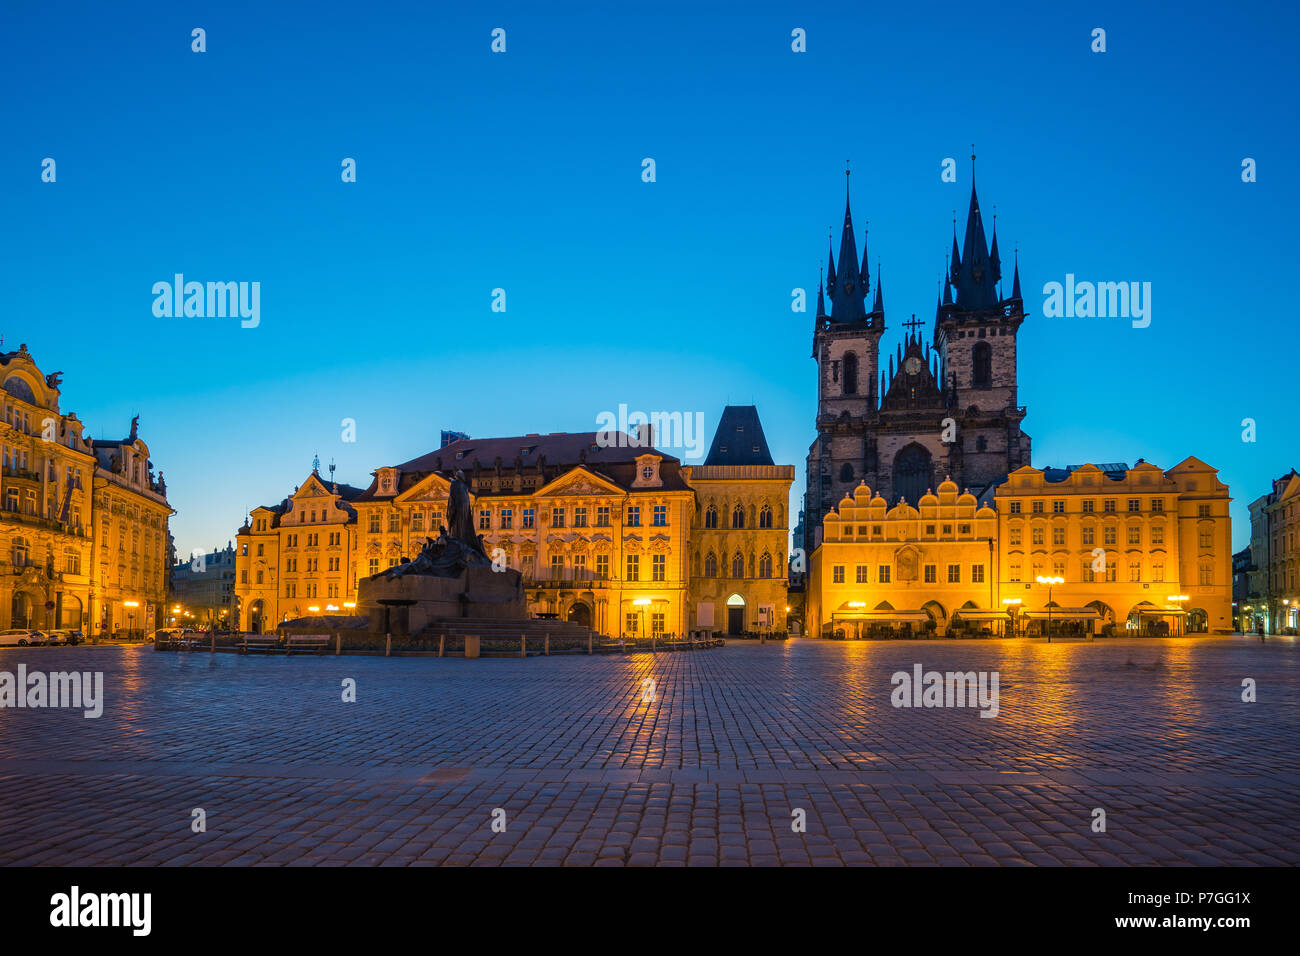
(941, 411)
(1273, 575)
(297, 558)
(598, 531)
(84, 521)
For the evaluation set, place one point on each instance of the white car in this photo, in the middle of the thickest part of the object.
(20, 637)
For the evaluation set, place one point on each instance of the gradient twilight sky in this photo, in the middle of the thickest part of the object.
(523, 171)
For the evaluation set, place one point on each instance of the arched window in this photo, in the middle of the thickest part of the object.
(711, 517)
(738, 565)
(765, 517)
(850, 374)
(981, 443)
(846, 472)
(982, 365)
(765, 566)
(738, 517)
(711, 565)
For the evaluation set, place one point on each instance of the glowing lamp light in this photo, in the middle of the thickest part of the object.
(1012, 601)
(1176, 597)
(349, 604)
(130, 603)
(331, 607)
(857, 604)
(641, 602)
(314, 608)
(1050, 579)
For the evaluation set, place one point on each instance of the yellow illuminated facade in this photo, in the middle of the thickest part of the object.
(1139, 549)
(84, 522)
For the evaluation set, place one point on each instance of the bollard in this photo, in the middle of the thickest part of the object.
(442, 644)
(762, 637)
(546, 645)
(653, 643)
(338, 643)
(523, 645)
(471, 646)
(588, 642)
(213, 648)
(388, 645)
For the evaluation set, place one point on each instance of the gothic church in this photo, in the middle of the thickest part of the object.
(944, 410)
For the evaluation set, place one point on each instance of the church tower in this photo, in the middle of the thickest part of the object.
(945, 410)
(846, 344)
(975, 333)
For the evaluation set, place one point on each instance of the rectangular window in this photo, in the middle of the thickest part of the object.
(557, 517)
(1134, 505)
(1015, 507)
(634, 567)
(1058, 568)
(1058, 537)
(954, 574)
(1206, 539)
(634, 516)
(374, 522)
(507, 518)
(557, 567)
(658, 567)
(1207, 576)
(602, 566)
(1109, 535)
(929, 529)
(1157, 534)
(395, 522)
(1110, 571)
(861, 572)
(657, 623)
(485, 519)
(660, 518)
(374, 566)
(602, 516)
(1058, 507)
(1134, 535)
(1158, 572)
(1013, 572)
(1037, 535)
(1109, 506)
(580, 517)
(931, 573)
(530, 516)
(977, 573)
(837, 574)
(1015, 537)
(963, 529)
(883, 574)
(1202, 511)
(632, 618)
(1089, 536)
(1038, 507)
(1157, 504)
(1134, 572)
(579, 567)
(1089, 506)
(417, 521)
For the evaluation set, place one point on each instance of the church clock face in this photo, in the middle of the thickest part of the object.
(913, 365)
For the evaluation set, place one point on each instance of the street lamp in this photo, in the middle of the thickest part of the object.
(1050, 580)
(642, 603)
(130, 616)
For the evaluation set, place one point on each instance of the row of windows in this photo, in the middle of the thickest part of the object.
(930, 574)
(764, 567)
(931, 530)
(1088, 536)
(1092, 570)
(738, 517)
(1108, 506)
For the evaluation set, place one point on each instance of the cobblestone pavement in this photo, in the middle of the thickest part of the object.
(709, 772)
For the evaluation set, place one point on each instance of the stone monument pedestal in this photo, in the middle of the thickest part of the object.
(407, 604)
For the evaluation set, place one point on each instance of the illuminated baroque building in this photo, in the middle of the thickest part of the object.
(297, 557)
(616, 537)
(85, 521)
(944, 410)
(1140, 549)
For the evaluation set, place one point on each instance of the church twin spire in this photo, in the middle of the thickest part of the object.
(849, 286)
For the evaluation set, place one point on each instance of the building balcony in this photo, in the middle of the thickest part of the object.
(10, 471)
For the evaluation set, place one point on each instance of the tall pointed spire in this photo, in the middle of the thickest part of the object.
(821, 299)
(830, 265)
(1015, 282)
(878, 307)
(975, 274)
(866, 269)
(848, 292)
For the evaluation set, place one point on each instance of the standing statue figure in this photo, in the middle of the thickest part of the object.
(460, 516)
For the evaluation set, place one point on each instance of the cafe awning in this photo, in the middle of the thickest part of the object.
(900, 616)
(1160, 611)
(975, 614)
(1064, 614)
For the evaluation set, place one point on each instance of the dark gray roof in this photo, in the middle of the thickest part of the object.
(739, 439)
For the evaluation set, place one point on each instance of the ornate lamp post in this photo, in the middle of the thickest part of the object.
(1179, 599)
(1050, 580)
(1013, 605)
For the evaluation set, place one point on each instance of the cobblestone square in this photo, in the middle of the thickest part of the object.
(711, 771)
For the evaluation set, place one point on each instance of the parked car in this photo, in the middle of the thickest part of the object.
(40, 637)
(76, 637)
(17, 636)
(57, 637)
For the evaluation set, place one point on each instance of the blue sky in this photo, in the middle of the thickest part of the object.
(522, 171)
